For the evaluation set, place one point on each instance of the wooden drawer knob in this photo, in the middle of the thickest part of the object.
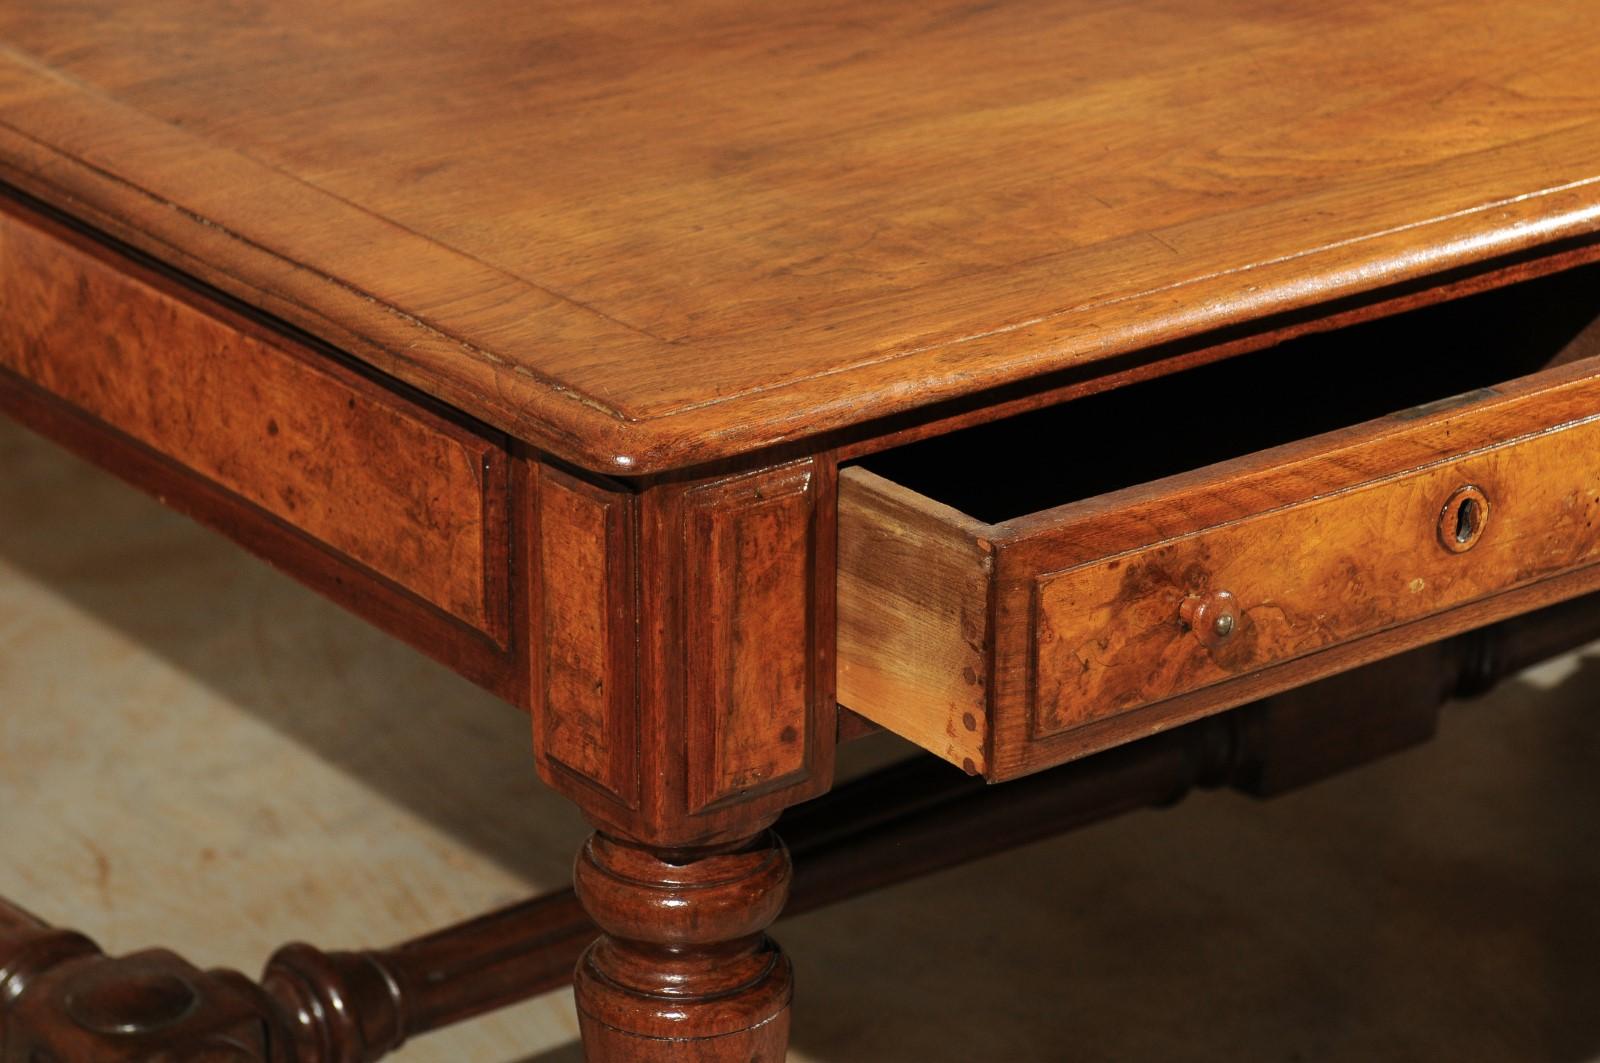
(1212, 617)
(1461, 521)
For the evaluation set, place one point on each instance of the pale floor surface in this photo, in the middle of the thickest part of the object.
(196, 752)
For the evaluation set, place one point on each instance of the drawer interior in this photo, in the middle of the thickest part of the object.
(1299, 388)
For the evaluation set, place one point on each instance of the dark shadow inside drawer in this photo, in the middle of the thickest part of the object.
(1299, 388)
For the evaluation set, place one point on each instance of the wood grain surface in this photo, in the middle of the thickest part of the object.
(581, 590)
(647, 237)
(1106, 636)
(915, 582)
(420, 501)
(749, 655)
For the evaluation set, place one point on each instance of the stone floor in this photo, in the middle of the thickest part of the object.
(196, 752)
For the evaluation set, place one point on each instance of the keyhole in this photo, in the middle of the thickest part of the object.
(1466, 520)
(1462, 521)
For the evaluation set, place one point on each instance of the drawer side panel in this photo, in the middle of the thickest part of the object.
(914, 632)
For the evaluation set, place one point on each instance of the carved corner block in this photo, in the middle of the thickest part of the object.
(682, 648)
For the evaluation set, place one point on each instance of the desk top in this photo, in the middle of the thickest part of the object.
(646, 235)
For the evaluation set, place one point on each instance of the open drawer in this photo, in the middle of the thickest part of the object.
(1018, 594)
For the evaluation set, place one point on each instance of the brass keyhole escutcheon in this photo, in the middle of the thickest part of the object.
(1463, 518)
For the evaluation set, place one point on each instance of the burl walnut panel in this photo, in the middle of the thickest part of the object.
(755, 597)
(582, 594)
(682, 653)
(1107, 636)
(407, 494)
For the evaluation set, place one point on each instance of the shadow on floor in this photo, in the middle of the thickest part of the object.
(569, 1053)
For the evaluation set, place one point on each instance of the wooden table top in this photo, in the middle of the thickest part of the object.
(648, 235)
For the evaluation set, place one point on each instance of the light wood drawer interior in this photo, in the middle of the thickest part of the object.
(1025, 592)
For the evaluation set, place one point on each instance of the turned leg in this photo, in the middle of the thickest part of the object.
(684, 970)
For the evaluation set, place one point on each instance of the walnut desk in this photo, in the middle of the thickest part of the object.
(1026, 378)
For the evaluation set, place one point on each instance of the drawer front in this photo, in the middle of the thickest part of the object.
(1013, 646)
(1112, 636)
(396, 489)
